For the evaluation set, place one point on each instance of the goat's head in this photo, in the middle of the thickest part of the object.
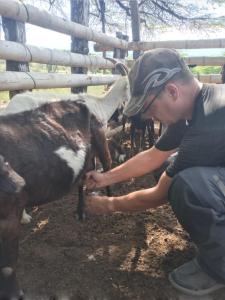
(122, 89)
(123, 83)
(10, 181)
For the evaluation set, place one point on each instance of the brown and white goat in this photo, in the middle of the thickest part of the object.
(50, 149)
(103, 107)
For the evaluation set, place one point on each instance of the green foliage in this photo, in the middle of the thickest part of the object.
(206, 70)
(93, 90)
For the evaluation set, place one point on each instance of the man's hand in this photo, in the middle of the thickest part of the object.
(95, 180)
(99, 205)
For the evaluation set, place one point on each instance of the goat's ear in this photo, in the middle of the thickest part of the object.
(113, 60)
(122, 68)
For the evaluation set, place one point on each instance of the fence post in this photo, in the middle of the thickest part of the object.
(16, 32)
(120, 53)
(135, 24)
(79, 14)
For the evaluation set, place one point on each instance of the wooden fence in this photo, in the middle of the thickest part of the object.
(28, 53)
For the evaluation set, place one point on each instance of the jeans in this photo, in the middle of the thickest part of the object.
(197, 197)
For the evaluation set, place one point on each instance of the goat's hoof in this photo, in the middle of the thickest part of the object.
(19, 295)
(79, 217)
(121, 158)
(26, 219)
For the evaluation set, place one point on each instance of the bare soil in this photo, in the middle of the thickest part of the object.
(121, 256)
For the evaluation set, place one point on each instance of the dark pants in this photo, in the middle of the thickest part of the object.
(197, 197)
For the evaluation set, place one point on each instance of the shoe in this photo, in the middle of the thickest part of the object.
(192, 280)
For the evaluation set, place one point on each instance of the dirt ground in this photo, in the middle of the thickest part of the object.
(121, 256)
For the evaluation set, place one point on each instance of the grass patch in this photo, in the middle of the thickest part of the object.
(92, 90)
(206, 70)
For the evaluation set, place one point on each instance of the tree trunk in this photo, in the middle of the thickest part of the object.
(15, 31)
(135, 24)
(79, 14)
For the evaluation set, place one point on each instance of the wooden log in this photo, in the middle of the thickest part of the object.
(205, 60)
(10, 81)
(198, 60)
(182, 44)
(27, 53)
(209, 78)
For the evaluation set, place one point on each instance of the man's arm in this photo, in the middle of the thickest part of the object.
(135, 201)
(142, 163)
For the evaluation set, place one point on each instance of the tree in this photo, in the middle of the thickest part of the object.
(158, 14)
(111, 16)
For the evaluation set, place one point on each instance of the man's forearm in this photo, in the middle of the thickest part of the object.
(136, 201)
(143, 199)
(142, 163)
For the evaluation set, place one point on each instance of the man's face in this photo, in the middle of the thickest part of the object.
(163, 106)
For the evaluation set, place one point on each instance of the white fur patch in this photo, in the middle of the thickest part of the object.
(7, 271)
(74, 160)
(26, 219)
(121, 158)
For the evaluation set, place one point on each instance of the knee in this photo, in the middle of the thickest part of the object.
(190, 190)
(177, 194)
(182, 194)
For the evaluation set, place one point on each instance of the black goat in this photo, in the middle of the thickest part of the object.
(140, 126)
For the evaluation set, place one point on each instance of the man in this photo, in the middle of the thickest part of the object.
(163, 88)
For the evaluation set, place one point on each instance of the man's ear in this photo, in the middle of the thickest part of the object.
(172, 91)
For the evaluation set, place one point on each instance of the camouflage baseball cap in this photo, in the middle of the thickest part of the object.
(152, 70)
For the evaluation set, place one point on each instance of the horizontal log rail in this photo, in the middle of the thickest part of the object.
(27, 53)
(179, 44)
(10, 81)
(197, 60)
(209, 78)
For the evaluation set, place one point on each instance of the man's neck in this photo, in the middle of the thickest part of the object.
(194, 90)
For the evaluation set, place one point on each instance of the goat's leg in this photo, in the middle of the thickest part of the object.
(102, 149)
(9, 248)
(151, 133)
(81, 203)
(160, 129)
(132, 138)
(142, 138)
(124, 120)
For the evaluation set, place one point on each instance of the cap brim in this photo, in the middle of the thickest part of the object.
(134, 106)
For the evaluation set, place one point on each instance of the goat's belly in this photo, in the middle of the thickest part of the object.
(50, 175)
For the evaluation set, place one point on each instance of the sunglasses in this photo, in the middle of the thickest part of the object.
(143, 111)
